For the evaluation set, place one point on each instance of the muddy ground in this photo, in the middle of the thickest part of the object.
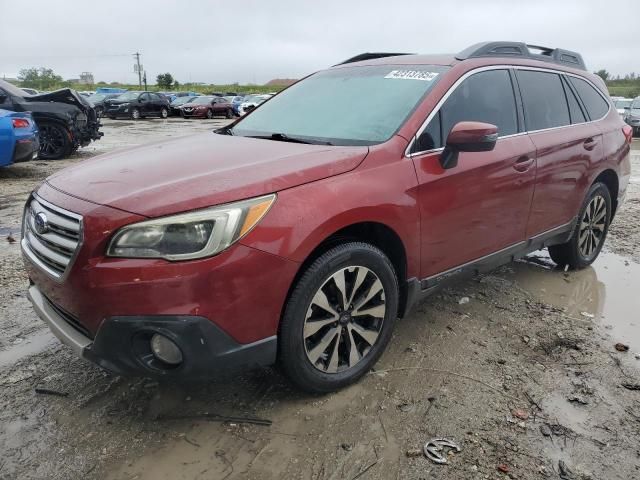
(518, 367)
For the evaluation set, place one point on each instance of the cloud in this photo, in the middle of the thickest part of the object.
(253, 41)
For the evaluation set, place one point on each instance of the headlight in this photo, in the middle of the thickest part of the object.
(186, 236)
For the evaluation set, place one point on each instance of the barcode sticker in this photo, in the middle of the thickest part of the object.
(411, 75)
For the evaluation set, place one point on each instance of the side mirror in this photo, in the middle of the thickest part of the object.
(468, 137)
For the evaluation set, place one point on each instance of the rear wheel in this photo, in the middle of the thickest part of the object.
(55, 141)
(229, 113)
(164, 113)
(590, 231)
(339, 318)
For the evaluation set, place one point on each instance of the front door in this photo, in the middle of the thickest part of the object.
(480, 206)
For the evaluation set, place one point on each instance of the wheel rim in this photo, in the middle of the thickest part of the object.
(163, 113)
(209, 114)
(344, 319)
(51, 140)
(592, 226)
(135, 113)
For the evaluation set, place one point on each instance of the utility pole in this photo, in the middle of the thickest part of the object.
(138, 68)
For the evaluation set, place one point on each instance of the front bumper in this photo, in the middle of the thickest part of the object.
(121, 345)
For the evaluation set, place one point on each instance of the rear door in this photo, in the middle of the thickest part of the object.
(567, 144)
(480, 206)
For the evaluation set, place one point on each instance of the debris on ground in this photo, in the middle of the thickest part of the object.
(464, 300)
(564, 471)
(414, 452)
(631, 386)
(587, 315)
(621, 347)
(521, 414)
(503, 467)
(578, 399)
(346, 447)
(545, 430)
(47, 391)
(10, 239)
(435, 448)
(214, 417)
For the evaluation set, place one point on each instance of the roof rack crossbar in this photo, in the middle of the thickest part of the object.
(370, 56)
(521, 49)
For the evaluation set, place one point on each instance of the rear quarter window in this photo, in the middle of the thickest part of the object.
(596, 105)
(545, 104)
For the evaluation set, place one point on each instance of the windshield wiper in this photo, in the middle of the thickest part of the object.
(282, 137)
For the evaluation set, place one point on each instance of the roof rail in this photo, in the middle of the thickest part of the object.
(523, 50)
(370, 56)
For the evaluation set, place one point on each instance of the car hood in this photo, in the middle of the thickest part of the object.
(200, 171)
(65, 95)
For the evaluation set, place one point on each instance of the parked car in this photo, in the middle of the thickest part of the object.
(30, 91)
(98, 99)
(622, 105)
(18, 137)
(119, 91)
(252, 102)
(236, 102)
(137, 105)
(633, 116)
(207, 107)
(65, 120)
(175, 106)
(297, 235)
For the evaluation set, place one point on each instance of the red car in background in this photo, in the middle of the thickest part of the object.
(207, 107)
(301, 232)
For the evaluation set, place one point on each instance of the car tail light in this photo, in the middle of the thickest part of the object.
(21, 123)
(628, 133)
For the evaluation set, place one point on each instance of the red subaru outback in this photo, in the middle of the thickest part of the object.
(299, 233)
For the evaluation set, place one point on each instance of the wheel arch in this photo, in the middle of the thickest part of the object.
(610, 178)
(374, 233)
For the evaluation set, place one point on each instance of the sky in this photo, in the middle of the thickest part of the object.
(251, 41)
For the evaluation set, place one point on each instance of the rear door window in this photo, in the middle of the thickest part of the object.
(545, 104)
(597, 107)
(575, 111)
(483, 97)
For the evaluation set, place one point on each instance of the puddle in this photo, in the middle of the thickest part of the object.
(28, 346)
(607, 292)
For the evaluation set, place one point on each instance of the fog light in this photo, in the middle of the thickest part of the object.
(165, 350)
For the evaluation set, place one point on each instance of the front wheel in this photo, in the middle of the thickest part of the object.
(209, 114)
(55, 141)
(590, 231)
(339, 318)
(135, 114)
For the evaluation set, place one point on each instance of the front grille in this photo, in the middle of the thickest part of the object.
(70, 319)
(52, 242)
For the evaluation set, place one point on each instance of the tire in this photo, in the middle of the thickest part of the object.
(55, 141)
(209, 114)
(313, 363)
(229, 113)
(164, 113)
(590, 231)
(135, 114)
(99, 111)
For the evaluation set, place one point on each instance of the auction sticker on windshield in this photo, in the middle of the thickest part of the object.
(411, 75)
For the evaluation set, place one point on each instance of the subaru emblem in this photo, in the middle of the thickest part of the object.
(41, 223)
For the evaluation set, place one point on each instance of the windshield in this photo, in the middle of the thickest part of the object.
(344, 106)
(182, 100)
(97, 97)
(636, 104)
(202, 100)
(623, 103)
(128, 96)
(12, 89)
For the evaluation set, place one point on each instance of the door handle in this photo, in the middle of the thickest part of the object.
(590, 144)
(523, 163)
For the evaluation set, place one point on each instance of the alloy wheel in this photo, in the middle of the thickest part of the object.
(344, 319)
(52, 141)
(592, 226)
